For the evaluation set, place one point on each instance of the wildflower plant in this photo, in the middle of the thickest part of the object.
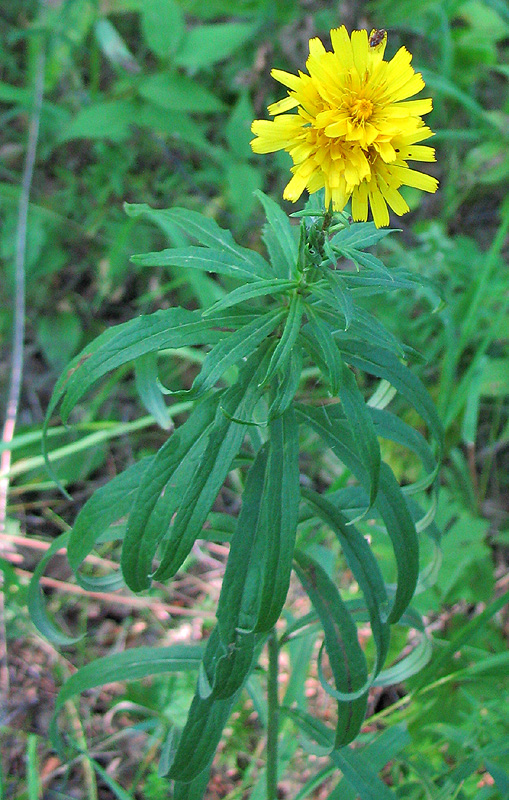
(298, 308)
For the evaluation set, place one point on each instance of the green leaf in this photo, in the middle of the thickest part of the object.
(147, 385)
(176, 92)
(108, 119)
(160, 491)
(361, 424)
(380, 362)
(346, 658)
(194, 790)
(365, 569)
(162, 26)
(391, 427)
(360, 235)
(341, 294)
(36, 603)
(416, 660)
(224, 442)
(356, 412)
(202, 258)
(205, 45)
(353, 764)
(280, 239)
(239, 602)
(206, 720)
(291, 330)
(172, 327)
(390, 502)
(208, 233)
(282, 498)
(261, 288)
(107, 505)
(288, 381)
(235, 347)
(127, 666)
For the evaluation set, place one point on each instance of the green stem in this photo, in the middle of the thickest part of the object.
(272, 716)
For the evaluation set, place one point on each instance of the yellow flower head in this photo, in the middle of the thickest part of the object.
(355, 128)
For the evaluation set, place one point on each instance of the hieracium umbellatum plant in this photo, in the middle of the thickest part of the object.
(351, 131)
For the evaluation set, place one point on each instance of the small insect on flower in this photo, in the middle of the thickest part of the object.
(376, 37)
(355, 129)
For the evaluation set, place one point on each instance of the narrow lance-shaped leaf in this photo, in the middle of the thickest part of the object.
(260, 288)
(287, 384)
(288, 338)
(282, 500)
(127, 666)
(239, 602)
(359, 419)
(223, 445)
(346, 658)
(107, 505)
(206, 719)
(383, 364)
(206, 231)
(390, 501)
(141, 538)
(280, 238)
(330, 363)
(172, 327)
(204, 259)
(234, 347)
(355, 766)
(36, 602)
(148, 389)
(341, 295)
(366, 571)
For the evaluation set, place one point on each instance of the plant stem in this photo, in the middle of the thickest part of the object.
(272, 716)
(16, 372)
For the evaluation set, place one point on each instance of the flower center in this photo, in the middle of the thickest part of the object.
(361, 110)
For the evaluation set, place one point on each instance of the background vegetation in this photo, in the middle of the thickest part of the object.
(152, 101)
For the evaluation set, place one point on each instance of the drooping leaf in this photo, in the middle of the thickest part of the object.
(390, 501)
(282, 500)
(147, 384)
(346, 658)
(126, 666)
(365, 569)
(157, 499)
(173, 327)
(225, 439)
(36, 603)
(287, 383)
(206, 720)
